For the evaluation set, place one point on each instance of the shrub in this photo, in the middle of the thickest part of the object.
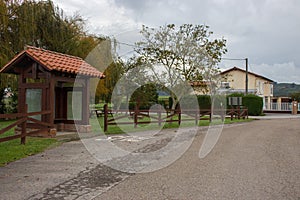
(204, 101)
(252, 102)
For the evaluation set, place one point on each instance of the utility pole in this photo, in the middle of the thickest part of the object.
(246, 76)
(246, 59)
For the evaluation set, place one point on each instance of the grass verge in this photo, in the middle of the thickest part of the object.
(13, 150)
(115, 129)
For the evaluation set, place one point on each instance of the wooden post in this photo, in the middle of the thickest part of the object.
(85, 102)
(24, 127)
(135, 116)
(179, 115)
(105, 117)
(51, 99)
(159, 116)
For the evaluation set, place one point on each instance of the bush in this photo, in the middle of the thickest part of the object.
(204, 101)
(252, 102)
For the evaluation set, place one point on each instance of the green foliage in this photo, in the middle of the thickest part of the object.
(145, 96)
(12, 150)
(295, 96)
(181, 48)
(204, 101)
(40, 24)
(12, 103)
(106, 86)
(2, 103)
(184, 53)
(254, 104)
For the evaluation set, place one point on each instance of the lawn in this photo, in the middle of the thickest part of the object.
(12, 150)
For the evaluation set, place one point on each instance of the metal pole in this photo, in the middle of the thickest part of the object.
(246, 76)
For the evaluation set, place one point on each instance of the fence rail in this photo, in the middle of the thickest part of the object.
(22, 122)
(161, 115)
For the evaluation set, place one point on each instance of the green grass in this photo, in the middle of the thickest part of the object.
(13, 150)
(115, 129)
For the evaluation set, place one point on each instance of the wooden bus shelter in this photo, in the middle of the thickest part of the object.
(54, 84)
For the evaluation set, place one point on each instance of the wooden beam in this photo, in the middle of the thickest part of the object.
(51, 98)
(85, 102)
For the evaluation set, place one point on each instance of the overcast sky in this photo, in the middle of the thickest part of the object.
(265, 31)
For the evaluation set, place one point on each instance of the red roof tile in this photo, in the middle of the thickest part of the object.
(57, 61)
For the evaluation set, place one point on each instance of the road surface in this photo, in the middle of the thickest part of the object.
(255, 160)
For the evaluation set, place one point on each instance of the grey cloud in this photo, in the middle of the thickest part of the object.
(265, 31)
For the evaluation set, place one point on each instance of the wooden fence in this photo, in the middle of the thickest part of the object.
(160, 115)
(21, 122)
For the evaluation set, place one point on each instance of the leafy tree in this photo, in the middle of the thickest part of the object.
(181, 54)
(40, 24)
(145, 96)
(106, 86)
(295, 96)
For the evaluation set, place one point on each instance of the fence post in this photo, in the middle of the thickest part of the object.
(179, 115)
(105, 108)
(159, 116)
(135, 116)
(24, 127)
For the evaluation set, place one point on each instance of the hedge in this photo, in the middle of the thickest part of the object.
(252, 102)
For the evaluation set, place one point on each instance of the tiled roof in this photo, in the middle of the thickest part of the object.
(54, 61)
(239, 69)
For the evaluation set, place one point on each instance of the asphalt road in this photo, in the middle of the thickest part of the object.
(256, 160)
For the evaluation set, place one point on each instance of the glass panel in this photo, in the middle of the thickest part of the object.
(34, 101)
(74, 105)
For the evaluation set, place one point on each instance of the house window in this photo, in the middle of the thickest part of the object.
(225, 85)
(271, 88)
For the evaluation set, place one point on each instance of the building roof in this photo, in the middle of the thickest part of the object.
(54, 61)
(239, 69)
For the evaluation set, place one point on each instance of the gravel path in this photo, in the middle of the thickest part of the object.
(256, 160)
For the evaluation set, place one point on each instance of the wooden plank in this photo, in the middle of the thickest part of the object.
(40, 122)
(12, 125)
(12, 115)
(37, 131)
(85, 102)
(34, 86)
(39, 113)
(10, 138)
